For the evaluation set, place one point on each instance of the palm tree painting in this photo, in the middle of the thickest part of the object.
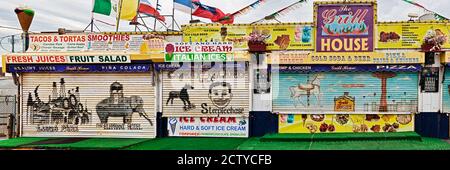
(383, 76)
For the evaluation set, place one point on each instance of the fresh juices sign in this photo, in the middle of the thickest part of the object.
(344, 27)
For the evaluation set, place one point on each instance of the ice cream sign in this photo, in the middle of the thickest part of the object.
(199, 52)
(344, 27)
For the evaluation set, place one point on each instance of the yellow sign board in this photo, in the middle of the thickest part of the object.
(346, 58)
(411, 35)
(278, 36)
(298, 123)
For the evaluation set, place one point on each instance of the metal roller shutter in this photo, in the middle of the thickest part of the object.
(345, 92)
(71, 105)
(446, 91)
(200, 91)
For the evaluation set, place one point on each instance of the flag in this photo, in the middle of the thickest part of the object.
(183, 5)
(128, 9)
(215, 14)
(146, 8)
(106, 7)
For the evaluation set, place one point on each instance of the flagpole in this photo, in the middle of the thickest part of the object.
(92, 16)
(137, 16)
(118, 17)
(173, 16)
(154, 25)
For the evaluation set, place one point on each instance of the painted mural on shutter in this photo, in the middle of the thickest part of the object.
(198, 91)
(446, 91)
(88, 105)
(345, 92)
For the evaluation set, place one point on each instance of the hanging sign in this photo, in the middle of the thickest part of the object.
(430, 79)
(199, 52)
(344, 27)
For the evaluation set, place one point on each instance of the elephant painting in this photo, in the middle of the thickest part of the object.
(119, 106)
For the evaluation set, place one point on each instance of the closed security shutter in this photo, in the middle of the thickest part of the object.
(218, 90)
(446, 91)
(88, 105)
(345, 92)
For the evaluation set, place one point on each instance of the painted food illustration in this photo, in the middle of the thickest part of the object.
(318, 118)
(389, 36)
(404, 119)
(375, 128)
(311, 127)
(372, 117)
(342, 118)
(283, 41)
(390, 127)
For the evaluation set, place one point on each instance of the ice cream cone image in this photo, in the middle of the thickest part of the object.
(25, 16)
(223, 33)
(173, 124)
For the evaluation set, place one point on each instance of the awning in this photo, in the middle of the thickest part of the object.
(345, 68)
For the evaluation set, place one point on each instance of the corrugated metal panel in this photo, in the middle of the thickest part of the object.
(204, 91)
(54, 112)
(345, 92)
(446, 91)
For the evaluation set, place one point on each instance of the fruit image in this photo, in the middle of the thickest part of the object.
(356, 128)
(323, 127)
(331, 128)
(375, 128)
(364, 128)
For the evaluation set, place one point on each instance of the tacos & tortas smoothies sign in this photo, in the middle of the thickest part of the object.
(344, 27)
(198, 52)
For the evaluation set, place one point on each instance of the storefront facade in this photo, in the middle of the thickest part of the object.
(208, 96)
(87, 85)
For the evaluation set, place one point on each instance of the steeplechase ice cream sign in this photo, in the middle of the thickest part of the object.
(199, 52)
(344, 27)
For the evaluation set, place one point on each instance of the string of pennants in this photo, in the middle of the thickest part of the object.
(436, 15)
(249, 8)
(283, 11)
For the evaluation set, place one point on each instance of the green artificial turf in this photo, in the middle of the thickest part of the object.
(178, 143)
(424, 144)
(16, 142)
(290, 137)
(93, 143)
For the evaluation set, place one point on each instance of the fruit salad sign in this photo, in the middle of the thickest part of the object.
(345, 28)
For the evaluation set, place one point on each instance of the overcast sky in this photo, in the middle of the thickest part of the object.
(75, 14)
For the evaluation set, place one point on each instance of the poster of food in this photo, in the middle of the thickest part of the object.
(98, 42)
(344, 27)
(278, 37)
(329, 123)
(208, 127)
(412, 35)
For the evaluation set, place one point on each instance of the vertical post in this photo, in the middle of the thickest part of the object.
(173, 17)
(154, 24)
(118, 16)
(92, 16)
(12, 43)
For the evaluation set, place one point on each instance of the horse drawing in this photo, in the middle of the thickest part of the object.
(183, 95)
(311, 88)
